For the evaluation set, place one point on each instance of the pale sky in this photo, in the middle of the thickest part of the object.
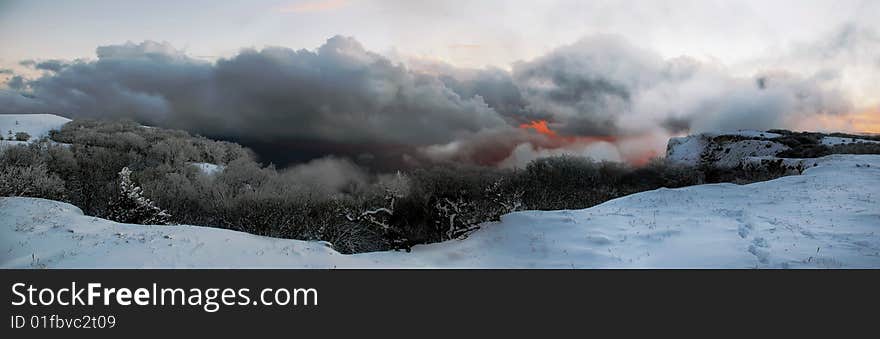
(464, 33)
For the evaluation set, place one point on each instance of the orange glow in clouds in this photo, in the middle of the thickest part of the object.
(641, 159)
(539, 126)
(637, 156)
(866, 121)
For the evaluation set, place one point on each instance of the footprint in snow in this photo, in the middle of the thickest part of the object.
(744, 229)
(758, 248)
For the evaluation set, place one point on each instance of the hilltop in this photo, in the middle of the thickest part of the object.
(36, 126)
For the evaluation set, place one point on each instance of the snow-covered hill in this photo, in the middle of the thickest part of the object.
(829, 217)
(729, 149)
(727, 152)
(36, 125)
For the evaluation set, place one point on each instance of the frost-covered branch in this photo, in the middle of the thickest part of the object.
(132, 207)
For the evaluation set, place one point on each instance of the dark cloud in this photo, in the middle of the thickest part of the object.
(342, 93)
(495, 86)
(584, 86)
(339, 94)
(51, 65)
(16, 83)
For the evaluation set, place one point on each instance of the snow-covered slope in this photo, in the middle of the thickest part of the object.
(829, 217)
(37, 125)
(725, 152)
(730, 149)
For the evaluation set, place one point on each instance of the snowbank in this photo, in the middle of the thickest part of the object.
(829, 217)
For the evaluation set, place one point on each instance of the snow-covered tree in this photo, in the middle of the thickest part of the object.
(505, 202)
(131, 207)
(456, 217)
(460, 216)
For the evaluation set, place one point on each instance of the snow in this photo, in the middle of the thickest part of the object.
(686, 150)
(744, 133)
(723, 152)
(12, 143)
(37, 125)
(831, 141)
(208, 168)
(829, 217)
(733, 153)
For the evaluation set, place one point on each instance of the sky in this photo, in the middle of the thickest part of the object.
(467, 33)
(604, 78)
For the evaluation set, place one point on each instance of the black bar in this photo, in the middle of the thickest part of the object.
(412, 302)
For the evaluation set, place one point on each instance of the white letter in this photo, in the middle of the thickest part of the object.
(122, 296)
(19, 294)
(51, 295)
(93, 292)
(61, 299)
(77, 294)
(142, 296)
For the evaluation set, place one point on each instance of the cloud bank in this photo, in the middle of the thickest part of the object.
(600, 96)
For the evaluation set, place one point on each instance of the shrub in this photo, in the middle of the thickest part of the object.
(131, 207)
(875, 137)
(566, 182)
(22, 136)
(806, 151)
(20, 155)
(30, 181)
(856, 148)
(23, 172)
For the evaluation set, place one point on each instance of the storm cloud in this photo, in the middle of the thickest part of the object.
(605, 86)
(338, 93)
